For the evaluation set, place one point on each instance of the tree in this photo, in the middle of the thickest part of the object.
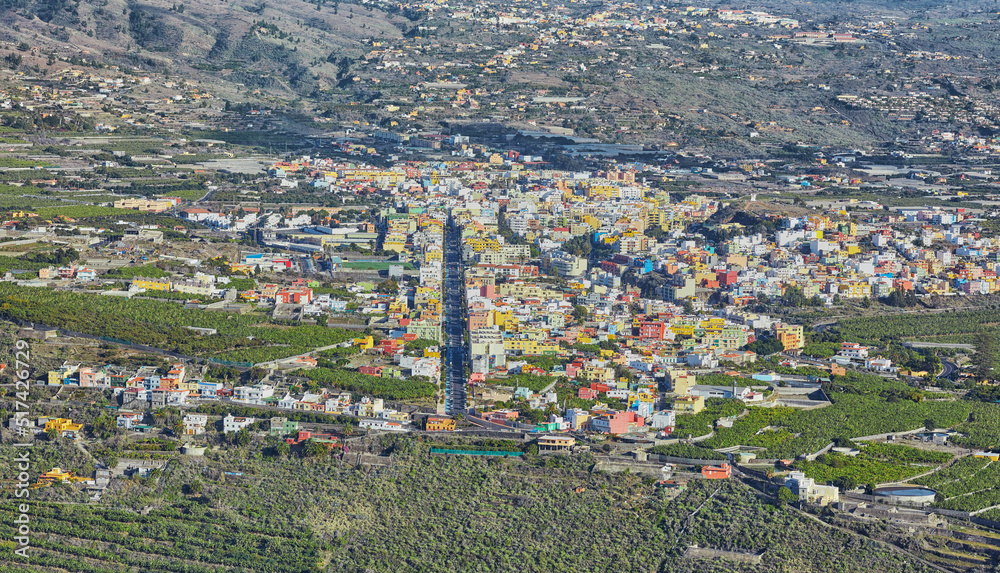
(578, 246)
(845, 483)
(688, 307)
(388, 286)
(785, 496)
(765, 346)
(580, 313)
(984, 356)
(242, 437)
(312, 449)
(283, 449)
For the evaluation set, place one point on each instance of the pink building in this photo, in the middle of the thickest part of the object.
(617, 423)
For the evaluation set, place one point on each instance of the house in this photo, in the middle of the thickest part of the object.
(287, 402)
(55, 474)
(194, 424)
(367, 407)
(338, 404)
(128, 420)
(328, 440)
(371, 370)
(282, 427)
(880, 364)
(192, 287)
(689, 404)
(253, 394)
(64, 375)
(234, 424)
(438, 424)
(382, 425)
(809, 492)
(616, 423)
(577, 418)
(65, 427)
(664, 420)
(209, 389)
(724, 471)
(159, 284)
(852, 351)
(555, 444)
(394, 416)
(162, 397)
(708, 391)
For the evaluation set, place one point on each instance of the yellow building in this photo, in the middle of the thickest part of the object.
(162, 284)
(501, 318)
(682, 328)
(548, 444)
(857, 290)
(597, 373)
(57, 377)
(603, 192)
(791, 336)
(64, 426)
(366, 343)
(527, 346)
(689, 404)
(436, 424)
(681, 381)
(56, 474)
(480, 244)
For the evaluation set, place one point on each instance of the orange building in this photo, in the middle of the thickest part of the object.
(723, 471)
(436, 424)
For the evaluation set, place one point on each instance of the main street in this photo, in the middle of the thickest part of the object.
(454, 327)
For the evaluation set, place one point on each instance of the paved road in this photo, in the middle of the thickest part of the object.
(454, 327)
(948, 368)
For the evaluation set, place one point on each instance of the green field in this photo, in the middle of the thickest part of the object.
(862, 405)
(960, 327)
(353, 381)
(968, 485)
(876, 464)
(286, 513)
(161, 324)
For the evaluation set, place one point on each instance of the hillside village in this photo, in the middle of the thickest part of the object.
(333, 286)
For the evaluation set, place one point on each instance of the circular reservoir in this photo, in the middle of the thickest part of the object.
(906, 493)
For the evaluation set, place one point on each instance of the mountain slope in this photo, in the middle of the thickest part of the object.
(290, 47)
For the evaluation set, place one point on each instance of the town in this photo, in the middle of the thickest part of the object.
(371, 286)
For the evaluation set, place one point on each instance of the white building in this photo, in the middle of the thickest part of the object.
(381, 425)
(253, 394)
(194, 424)
(128, 420)
(233, 424)
(809, 492)
(853, 351)
(663, 419)
(880, 364)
